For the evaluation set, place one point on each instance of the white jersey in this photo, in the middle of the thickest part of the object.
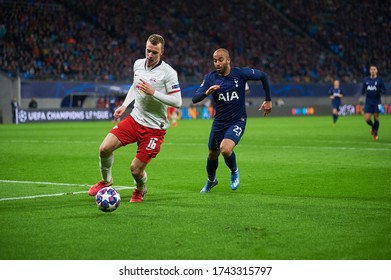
(151, 111)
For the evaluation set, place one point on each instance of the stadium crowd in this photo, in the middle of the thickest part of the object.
(356, 31)
(98, 40)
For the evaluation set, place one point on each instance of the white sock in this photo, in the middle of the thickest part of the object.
(141, 184)
(105, 165)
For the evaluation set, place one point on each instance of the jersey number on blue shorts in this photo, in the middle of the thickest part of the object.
(237, 130)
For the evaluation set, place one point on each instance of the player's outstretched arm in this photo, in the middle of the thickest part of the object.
(119, 111)
(201, 94)
(212, 89)
(382, 87)
(363, 88)
(172, 99)
(267, 104)
(266, 107)
(128, 99)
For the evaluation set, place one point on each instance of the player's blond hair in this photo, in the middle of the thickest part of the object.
(156, 39)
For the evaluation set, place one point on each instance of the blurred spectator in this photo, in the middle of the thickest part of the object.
(15, 107)
(357, 32)
(100, 103)
(33, 104)
(280, 102)
(294, 41)
(112, 105)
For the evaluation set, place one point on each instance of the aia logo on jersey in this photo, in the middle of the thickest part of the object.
(228, 96)
(371, 87)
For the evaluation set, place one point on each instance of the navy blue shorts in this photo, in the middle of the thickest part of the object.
(371, 108)
(218, 132)
(336, 105)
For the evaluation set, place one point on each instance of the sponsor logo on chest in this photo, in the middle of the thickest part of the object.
(228, 96)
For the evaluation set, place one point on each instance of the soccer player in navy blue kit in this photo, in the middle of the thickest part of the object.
(335, 94)
(227, 87)
(373, 86)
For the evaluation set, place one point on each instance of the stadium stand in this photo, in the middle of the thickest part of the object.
(358, 32)
(98, 40)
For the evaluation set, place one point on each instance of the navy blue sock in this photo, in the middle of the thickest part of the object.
(335, 118)
(370, 123)
(376, 126)
(211, 167)
(231, 162)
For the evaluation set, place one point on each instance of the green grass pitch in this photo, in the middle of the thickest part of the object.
(308, 191)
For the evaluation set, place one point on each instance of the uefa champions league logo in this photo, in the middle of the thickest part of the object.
(22, 116)
(45, 115)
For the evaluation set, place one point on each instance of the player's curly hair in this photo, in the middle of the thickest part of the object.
(156, 39)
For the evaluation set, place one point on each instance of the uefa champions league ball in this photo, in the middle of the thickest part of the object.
(107, 199)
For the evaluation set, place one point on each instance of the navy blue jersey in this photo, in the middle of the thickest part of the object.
(112, 102)
(335, 92)
(336, 102)
(230, 98)
(373, 88)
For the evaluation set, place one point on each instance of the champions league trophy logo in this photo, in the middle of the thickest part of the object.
(22, 116)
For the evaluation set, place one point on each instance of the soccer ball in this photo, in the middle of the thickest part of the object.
(107, 199)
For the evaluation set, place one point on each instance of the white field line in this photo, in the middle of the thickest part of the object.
(334, 148)
(379, 145)
(51, 141)
(42, 183)
(51, 195)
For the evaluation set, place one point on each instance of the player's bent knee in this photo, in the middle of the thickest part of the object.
(213, 155)
(109, 145)
(226, 152)
(104, 150)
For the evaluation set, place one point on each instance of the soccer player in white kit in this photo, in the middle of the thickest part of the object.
(155, 88)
